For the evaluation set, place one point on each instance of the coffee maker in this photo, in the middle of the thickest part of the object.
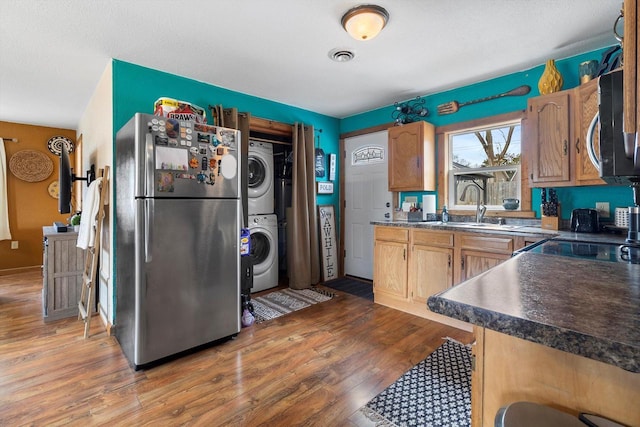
(633, 236)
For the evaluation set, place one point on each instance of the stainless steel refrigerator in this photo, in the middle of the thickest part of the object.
(177, 236)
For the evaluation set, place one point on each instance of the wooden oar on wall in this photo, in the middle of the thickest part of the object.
(453, 106)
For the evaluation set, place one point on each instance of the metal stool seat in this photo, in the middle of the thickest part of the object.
(529, 414)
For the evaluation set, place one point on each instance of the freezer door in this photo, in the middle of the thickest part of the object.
(188, 267)
(174, 159)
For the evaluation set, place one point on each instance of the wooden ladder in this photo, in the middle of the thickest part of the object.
(85, 305)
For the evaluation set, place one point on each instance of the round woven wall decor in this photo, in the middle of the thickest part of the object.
(31, 165)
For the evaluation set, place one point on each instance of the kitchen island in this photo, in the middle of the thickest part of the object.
(553, 330)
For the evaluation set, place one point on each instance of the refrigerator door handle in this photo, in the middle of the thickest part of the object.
(148, 234)
(149, 164)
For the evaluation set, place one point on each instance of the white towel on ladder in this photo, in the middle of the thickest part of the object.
(91, 207)
(5, 233)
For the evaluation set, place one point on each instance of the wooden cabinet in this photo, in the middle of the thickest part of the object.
(480, 252)
(472, 263)
(556, 131)
(431, 264)
(549, 119)
(390, 261)
(411, 264)
(63, 265)
(412, 157)
(585, 111)
(509, 369)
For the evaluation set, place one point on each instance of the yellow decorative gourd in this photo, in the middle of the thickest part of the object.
(551, 79)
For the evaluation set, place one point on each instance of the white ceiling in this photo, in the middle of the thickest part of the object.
(53, 52)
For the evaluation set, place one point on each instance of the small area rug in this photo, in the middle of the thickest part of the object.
(284, 301)
(359, 288)
(435, 392)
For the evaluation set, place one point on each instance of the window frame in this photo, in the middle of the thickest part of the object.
(452, 202)
(444, 155)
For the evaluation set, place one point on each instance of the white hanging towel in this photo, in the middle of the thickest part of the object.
(5, 233)
(91, 207)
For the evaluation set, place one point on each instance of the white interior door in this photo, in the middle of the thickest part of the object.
(366, 199)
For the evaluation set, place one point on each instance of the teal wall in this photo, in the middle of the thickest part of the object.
(570, 197)
(136, 88)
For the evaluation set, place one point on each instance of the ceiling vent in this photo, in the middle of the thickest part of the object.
(341, 55)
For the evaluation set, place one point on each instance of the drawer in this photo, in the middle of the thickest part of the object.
(432, 238)
(486, 243)
(395, 234)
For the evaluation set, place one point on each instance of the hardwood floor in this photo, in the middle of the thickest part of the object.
(317, 366)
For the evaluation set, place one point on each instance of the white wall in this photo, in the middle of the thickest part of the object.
(96, 128)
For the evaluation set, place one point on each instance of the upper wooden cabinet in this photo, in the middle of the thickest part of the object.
(557, 134)
(550, 135)
(412, 157)
(586, 96)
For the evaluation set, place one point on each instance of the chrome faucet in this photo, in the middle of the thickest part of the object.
(480, 208)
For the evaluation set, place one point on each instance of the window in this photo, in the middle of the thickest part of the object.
(482, 158)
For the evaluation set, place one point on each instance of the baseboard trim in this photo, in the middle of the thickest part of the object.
(9, 271)
(108, 326)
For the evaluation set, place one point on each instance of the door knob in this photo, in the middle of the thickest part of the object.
(387, 215)
(388, 204)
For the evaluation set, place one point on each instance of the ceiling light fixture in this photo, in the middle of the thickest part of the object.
(365, 22)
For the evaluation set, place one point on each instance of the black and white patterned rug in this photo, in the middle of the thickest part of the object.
(435, 392)
(278, 303)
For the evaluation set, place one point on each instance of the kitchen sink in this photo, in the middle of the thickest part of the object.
(482, 225)
(493, 226)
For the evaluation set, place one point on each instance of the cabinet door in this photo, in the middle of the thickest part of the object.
(412, 157)
(390, 270)
(475, 262)
(430, 271)
(550, 135)
(586, 109)
(64, 268)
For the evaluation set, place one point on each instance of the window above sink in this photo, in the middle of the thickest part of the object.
(485, 155)
(488, 158)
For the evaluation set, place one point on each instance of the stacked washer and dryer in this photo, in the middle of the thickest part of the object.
(263, 223)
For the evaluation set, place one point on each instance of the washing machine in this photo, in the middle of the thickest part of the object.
(261, 176)
(263, 230)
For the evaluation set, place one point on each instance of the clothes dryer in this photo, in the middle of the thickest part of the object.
(264, 251)
(261, 176)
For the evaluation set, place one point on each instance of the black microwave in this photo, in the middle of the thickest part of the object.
(617, 160)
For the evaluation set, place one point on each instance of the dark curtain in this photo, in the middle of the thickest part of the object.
(303, 247)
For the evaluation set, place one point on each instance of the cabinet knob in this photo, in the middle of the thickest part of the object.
(565, 147)
(578, 145)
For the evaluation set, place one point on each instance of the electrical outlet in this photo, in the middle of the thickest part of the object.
(603, 209)
(14, 244)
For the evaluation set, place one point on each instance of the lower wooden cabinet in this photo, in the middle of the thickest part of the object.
(509, 369)
(472, 263)
(431, 264)
(411, 264)
(390, 275)
(63, 265)
(479, 253)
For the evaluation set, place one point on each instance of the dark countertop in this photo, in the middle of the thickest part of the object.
(469, 227)
(589, 308)
(518, 229)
